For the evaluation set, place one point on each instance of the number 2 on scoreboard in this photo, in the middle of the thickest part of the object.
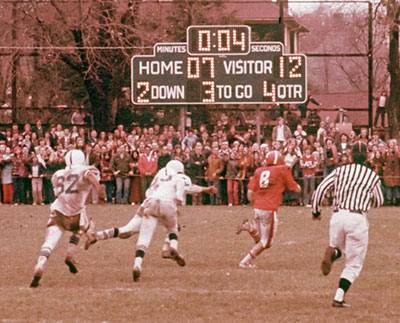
(144, 88)
(294, 64)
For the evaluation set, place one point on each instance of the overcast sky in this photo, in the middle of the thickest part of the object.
(309, 5)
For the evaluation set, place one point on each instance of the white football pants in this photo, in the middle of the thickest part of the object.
(156, 210)
(348, 232)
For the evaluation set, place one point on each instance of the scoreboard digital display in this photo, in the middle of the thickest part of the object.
(218, 65)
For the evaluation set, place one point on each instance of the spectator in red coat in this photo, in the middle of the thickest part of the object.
(147, 165)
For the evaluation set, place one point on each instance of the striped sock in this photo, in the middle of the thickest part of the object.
(107, 234)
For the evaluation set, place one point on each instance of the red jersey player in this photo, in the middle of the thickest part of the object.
(265, 191)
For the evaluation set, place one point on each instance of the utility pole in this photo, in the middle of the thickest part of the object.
(370, 68)
(14, 63)
(393, 13)
(281, 21)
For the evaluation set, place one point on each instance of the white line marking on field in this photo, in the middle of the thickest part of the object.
(169, 290)
(288, 243)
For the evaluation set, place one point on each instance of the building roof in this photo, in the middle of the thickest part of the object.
(259, 11)
(355, 105)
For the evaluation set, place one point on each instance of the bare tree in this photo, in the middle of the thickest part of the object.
(94, 40)
(393, 20)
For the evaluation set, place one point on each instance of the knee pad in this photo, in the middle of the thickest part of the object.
(74, 240)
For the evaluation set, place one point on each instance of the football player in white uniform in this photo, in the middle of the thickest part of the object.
(68, 212)
(133, 226)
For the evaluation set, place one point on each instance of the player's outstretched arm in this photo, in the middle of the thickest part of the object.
(194, 189)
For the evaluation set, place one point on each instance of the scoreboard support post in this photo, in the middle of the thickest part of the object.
(182, 120)
(258, 123)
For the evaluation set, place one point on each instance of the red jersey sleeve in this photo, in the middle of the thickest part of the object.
(290, 183)
(252, 183)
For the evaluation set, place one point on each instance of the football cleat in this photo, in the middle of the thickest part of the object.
(89, 242)
(177, 257)
(244, 226)
(342, 304)
(247, 265)
(36, 279)
(166, 254)
(327, 261)
(71, 265)
(136, 274)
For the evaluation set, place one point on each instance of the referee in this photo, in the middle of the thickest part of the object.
(355, 189)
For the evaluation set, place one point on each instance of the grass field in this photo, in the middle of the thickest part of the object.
(286, 286)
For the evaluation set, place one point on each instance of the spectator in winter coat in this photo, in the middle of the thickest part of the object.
(147, 165)
(36, 173)
(213, 172)
(281, 132)
(120, 165)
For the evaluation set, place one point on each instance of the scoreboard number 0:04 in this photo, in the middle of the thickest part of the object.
(224, 40)
(219, 65)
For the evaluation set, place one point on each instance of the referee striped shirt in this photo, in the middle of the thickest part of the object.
(355, 188)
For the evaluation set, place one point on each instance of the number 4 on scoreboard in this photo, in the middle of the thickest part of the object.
(269, 90)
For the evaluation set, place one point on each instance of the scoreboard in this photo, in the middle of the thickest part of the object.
(218, 65)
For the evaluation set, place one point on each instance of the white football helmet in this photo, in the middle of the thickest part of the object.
(175, 166)
(74, 157)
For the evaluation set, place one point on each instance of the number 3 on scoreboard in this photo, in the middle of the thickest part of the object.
(264, 179)
(144, 88)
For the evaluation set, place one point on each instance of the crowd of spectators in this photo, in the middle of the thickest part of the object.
(218, 155)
